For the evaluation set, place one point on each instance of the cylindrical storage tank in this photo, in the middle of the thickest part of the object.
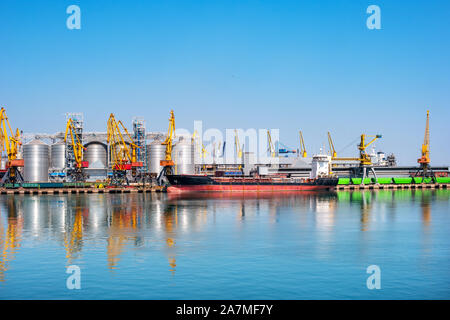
(155, 153)
(183, 156)
(96, 153)
(58, 156)
(36, 161)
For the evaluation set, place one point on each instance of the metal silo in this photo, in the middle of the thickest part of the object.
(36, 161)
(96, 153)
(183, 156)
(155, 153)
(58, 156)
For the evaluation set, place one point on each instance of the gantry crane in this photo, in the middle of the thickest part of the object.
(10, 143)
(271, 148)
(365, 163)
(424, 161)
(302, 146)
(122, 160)
(75, 164)
(168, 163)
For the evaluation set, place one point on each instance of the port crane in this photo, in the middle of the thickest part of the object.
(10, 143)
(271, 148)
(75, 164)
(302, 146)
(424, 161)
(238, 149)
(365, 163)
(168, 163)
(122, 159)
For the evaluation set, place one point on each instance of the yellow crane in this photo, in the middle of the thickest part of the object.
(364, 159)
(425, 160)
(121, 157)
(302, 146)
(271, 148)
(76, 144)
(332, 150)
(168, 162)
(237, 147)
(10, 143)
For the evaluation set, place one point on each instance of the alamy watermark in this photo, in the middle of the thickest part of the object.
(374, 280)
(374, 20)
(74, 280)
(74, 20)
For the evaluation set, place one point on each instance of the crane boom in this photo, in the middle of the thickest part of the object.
(271, 148)
(302, 146)
(168, 162)
(332, 150)
(425, 158)
(364, 158)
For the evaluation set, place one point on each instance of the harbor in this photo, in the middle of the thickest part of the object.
(121, 162)
(224, 159)
(169, 246)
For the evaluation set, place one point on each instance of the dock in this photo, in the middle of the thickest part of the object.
(393, 186)
(43, 191)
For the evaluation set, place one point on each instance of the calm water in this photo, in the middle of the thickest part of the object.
(152, 246)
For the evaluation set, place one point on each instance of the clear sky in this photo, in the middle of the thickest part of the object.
(309, 65)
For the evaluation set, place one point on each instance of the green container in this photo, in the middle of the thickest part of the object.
(443, 179)
(402, 180)
(429, 180)
(367, 180)
(344, 181)
(417, 179)
(356, 180)
(384, 180)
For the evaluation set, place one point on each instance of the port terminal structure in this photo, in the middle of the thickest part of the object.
(116, 155)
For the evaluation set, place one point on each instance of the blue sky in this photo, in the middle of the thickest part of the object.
(309, 65)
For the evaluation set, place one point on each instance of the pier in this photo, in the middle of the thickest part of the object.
(43, 191)
(392, 186)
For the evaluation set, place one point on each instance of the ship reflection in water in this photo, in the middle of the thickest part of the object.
(226, 246)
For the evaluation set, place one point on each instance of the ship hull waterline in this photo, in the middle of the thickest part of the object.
(194, 184)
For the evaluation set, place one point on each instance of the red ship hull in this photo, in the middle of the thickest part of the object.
(193, 183)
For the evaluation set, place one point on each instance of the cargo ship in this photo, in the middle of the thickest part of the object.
(204, 183)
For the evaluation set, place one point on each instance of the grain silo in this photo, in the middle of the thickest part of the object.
(183, 157)
(58, 156)
(36, 156)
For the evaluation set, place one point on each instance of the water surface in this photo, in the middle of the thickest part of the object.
(286, 246)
